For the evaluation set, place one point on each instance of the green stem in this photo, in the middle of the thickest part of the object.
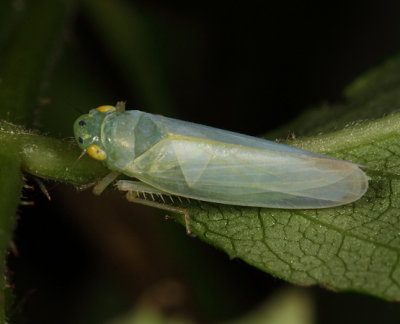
(49, 158)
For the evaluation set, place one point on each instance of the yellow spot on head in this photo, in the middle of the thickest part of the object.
(96, 152)
(106, 109)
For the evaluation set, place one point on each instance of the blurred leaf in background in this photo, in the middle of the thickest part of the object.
(289, 306)
(245, 67)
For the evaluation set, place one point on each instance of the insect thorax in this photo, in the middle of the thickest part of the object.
(127, 135)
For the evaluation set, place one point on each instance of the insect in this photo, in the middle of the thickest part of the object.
(173, 157)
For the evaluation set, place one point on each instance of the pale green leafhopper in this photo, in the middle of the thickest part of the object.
(180, 158)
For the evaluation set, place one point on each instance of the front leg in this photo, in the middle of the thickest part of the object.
(105, 182)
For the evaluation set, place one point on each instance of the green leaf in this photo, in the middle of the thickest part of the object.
(289, 306)
(148, 315)
(353, 247)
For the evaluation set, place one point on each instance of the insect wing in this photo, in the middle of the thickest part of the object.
(191, 162)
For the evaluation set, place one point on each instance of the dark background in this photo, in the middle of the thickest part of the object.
(246, 67)
(249, 67)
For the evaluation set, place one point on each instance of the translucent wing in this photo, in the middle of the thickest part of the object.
(242, 170)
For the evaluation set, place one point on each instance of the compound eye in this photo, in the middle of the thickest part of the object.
(81, 123)
(80, 140)
(96, 152)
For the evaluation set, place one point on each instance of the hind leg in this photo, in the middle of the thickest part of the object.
(134, 188)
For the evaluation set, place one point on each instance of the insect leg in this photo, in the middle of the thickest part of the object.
(129, 185)
(137, 186)
(42, 187)
(132, 197)
(105, 182)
